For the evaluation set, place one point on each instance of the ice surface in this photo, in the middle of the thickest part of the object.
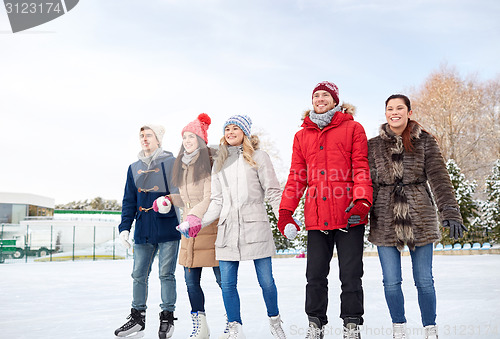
(86, 299)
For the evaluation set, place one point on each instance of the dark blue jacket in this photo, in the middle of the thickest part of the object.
(144, 185)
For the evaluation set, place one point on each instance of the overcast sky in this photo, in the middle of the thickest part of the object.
(74, 91)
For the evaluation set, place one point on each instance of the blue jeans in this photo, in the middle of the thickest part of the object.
(144, 255)
(229, 276)
(421, 258)
(195, 292)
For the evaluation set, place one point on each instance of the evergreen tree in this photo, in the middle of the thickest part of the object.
(280, 241)
(491, 209)
(464, 192)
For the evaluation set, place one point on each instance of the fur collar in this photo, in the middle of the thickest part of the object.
(387, 134)
(346, 108)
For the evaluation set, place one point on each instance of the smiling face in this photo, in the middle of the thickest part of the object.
(189, 141)
(397, 115)
(233, 135)
(323, 102)
(149, 143)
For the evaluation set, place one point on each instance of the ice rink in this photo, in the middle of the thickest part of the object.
(87, 299)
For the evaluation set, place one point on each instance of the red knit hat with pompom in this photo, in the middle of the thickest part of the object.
(330, 87)
(199, 126)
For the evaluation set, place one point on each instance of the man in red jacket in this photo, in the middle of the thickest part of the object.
(330, 159)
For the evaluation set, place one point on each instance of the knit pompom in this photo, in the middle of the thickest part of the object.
(205, 119)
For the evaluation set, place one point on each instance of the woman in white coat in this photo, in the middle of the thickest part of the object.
(242, 177)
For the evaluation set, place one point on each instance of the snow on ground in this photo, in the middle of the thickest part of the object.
(90, 299)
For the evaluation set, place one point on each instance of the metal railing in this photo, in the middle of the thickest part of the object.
(58, 243)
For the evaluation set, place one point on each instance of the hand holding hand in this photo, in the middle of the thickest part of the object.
(183, 228)
(285, 219)
(124, 238)
(194, 225)
(162, 205)
(456, 229)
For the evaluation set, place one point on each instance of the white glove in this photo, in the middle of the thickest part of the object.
(184, 228)
(124, 238)
(162, 205)
(290, 231)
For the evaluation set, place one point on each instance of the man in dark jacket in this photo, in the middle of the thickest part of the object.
(330, 160)
(148, 179)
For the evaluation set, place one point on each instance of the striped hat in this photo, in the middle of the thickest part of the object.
(242, 121)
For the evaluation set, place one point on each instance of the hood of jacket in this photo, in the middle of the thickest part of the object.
(347, 113)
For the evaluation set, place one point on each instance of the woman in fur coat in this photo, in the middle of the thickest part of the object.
(243, 176)
(405, 161)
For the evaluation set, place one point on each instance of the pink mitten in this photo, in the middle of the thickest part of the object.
(162, 205)
(194, 225)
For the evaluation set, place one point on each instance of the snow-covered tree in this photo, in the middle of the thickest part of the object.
(96, 204)
(464, 193)
(491, 208)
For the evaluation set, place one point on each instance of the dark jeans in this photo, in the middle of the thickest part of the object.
(196, 296)
(320, 245)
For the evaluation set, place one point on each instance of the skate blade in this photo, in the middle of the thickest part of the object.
(135, 335)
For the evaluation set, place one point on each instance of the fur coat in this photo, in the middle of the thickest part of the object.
(404, 210)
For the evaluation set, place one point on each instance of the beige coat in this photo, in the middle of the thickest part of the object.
(238, 193)
(194, 198)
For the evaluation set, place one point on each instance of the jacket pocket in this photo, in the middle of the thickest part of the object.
(221, 240)
(341, 193)
(347, 156)
(257, 231)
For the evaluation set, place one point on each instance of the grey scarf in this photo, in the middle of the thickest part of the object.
(149, 159)
(322, 120)
(187, 157)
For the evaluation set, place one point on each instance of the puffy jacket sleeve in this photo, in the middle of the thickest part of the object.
(362, 188)
(440, 182)
(297, 178)
(129, 203)
(269, 181)
(216, 200)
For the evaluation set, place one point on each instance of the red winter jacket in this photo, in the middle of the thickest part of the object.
(333, 164)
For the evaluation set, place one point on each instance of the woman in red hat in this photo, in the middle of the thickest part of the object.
(191, 173)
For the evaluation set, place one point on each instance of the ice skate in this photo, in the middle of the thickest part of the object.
(235, 331)
(399, 331)
(134, 328)
(166, 324)
(431, 332)
(275, 326)
(315, 330)
(200, 326)
(351, 328)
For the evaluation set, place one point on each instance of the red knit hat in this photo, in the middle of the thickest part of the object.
(330, 87)
(199, 126)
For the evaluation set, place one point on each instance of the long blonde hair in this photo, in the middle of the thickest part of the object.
(250, 145)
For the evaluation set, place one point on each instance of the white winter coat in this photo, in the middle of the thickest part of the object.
(243, 231)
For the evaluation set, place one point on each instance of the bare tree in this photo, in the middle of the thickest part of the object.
(463, 116)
